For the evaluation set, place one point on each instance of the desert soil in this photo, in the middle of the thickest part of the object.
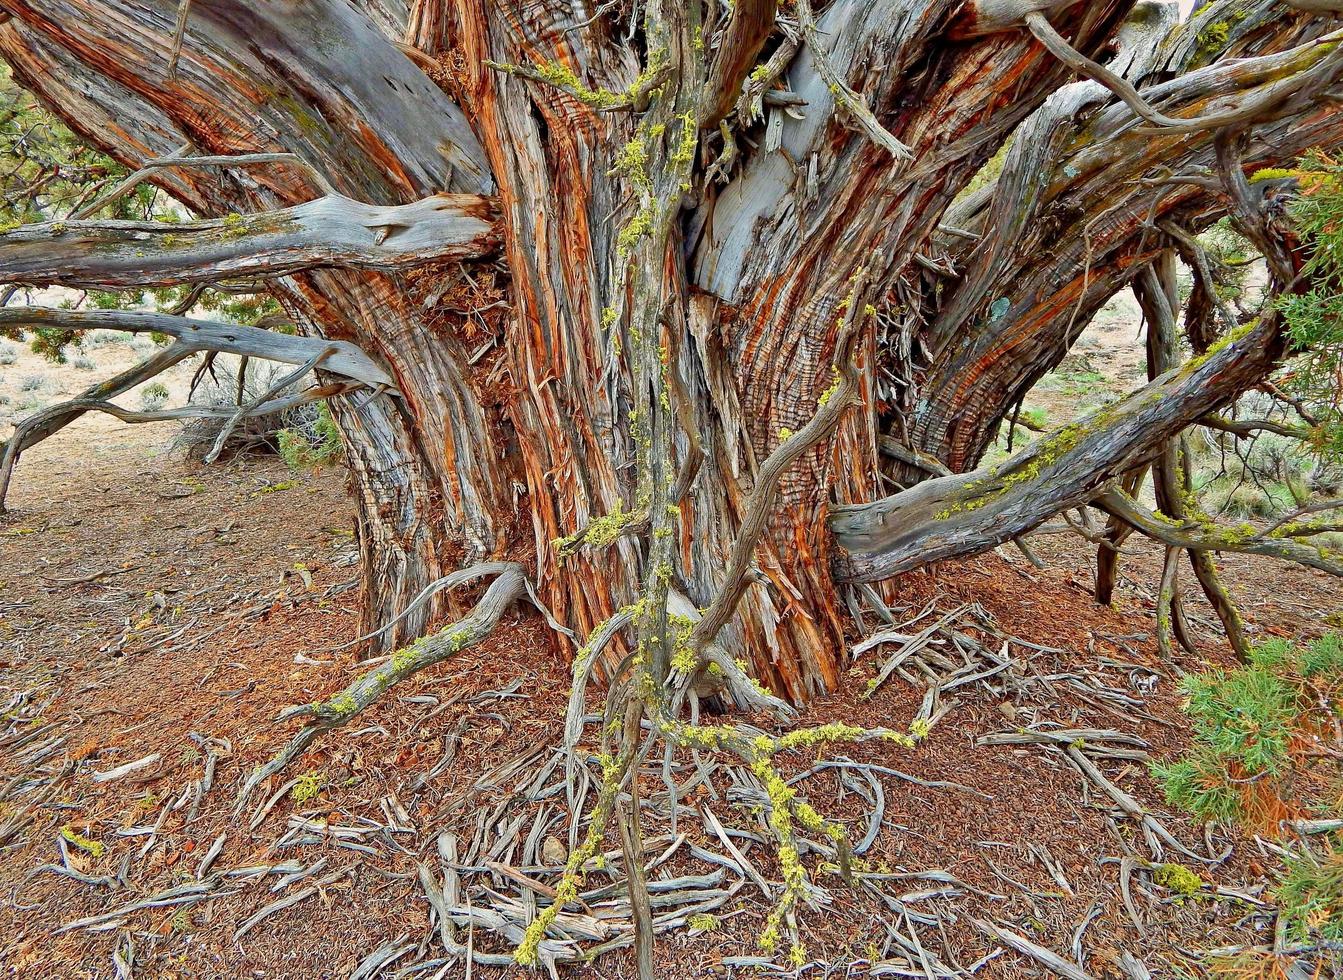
(150, 606)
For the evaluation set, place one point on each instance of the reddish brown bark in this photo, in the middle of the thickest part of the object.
(535, 439)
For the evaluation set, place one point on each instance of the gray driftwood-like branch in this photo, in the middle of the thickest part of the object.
(346, 359)
(1247, 111)
(1199, 536)
(49, 421)
(339, 358)
(329, 231)
(967, 513)
(509, 585)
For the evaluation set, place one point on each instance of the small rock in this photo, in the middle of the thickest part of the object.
(553, 852)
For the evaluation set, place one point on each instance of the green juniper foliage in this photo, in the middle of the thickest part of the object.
(313, 443)
(1265, 749)
(1247, 723)
(1310, 895)
(1314, 321)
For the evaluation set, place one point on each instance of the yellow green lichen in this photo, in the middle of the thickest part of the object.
(235, 226)
(1177, 878)
(93, 847)
(343, 703)
(563, 77)
(307, 788)
(1272, 173)
(835, 381)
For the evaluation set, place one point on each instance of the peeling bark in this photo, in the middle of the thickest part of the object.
(1069, 221)
(662, 332)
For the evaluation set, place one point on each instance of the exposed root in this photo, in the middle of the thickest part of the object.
(509, 585)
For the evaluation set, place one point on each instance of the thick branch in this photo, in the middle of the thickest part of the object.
(201, 335)
(330, 231)
(970, 513)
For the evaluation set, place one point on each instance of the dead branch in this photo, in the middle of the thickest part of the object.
(834, 403)
(201, 335)
(178, 158)
(327, 231)
(1248, 111)
(847, 99)
(49, 421)
(1209, 537)
(508, 586)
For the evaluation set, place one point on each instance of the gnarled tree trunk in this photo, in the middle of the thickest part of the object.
(668, 201)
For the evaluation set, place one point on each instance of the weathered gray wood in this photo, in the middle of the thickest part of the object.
(1067, 223)
(202, 335)
(51, 420)
(329, 231)
(970, 513)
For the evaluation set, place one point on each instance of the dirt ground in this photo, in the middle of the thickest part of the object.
(150, 606)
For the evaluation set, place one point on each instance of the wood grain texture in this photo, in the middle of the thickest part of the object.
(329, 231)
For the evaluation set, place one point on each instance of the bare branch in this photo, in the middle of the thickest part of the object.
(49, 421)
(179, 159)
(847, 99)
(834, 403)
(1249, 110)
(179, 35)
(1208, 537)
(509, 585)
(329, 231)
(201, 335)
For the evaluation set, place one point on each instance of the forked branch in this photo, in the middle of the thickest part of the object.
(1247, 111)
(1282, 542)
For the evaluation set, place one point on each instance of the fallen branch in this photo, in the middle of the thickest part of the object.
(509, 585)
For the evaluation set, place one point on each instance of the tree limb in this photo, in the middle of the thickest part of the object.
(329, 231)
(1196, 535)
(967, 513)
(200, 335)
(1248, 110)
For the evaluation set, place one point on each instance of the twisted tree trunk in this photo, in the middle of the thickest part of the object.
(680, 228)
(1074, 215)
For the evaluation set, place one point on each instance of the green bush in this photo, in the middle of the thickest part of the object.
(1310, 896)
(314, 443)
(1266, 748)
(154, 396)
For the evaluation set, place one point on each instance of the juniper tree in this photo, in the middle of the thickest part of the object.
(710, 311)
